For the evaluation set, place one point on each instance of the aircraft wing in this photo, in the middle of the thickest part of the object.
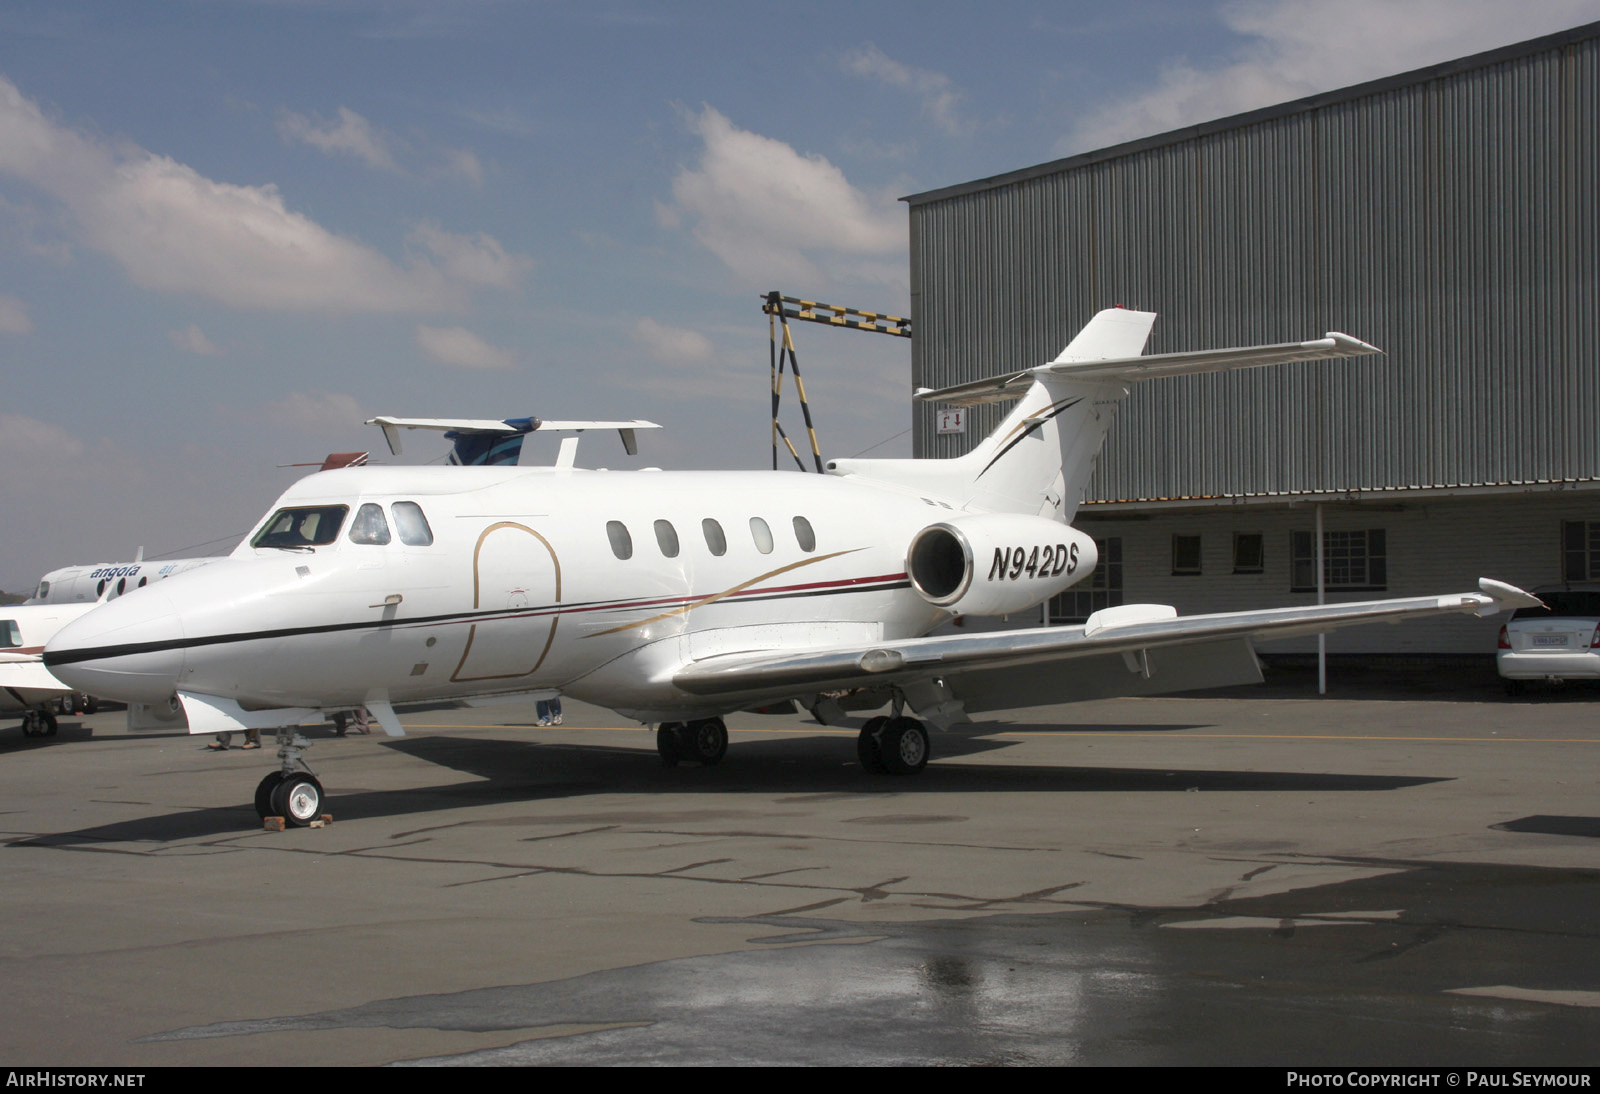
(1119, 651)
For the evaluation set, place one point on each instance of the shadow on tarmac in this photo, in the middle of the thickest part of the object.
(517, 771)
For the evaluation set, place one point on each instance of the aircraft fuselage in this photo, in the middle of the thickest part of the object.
(597, 584)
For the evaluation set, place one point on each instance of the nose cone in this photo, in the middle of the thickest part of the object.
(130, 649)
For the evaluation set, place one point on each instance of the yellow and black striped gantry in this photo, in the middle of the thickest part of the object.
(780, 309)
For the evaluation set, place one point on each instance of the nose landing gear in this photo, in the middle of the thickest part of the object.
(292, 792)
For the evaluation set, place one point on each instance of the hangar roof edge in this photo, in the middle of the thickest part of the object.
(1265, 113)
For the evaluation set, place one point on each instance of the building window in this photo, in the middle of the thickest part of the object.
(1351, 561)
(1185, 554)
(1103, 589)
(1580, 550)
(1249, 552)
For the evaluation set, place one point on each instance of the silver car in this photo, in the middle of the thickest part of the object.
(1560, 641)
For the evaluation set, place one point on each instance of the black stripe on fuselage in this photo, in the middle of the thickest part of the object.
(129, 649)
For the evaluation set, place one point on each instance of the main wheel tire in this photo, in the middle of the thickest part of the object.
(264, 791)
(298, 800)
(869, 746)
(904, 746)
(705, 740)
(30, 723)
(49, 724)
(667, 743)
(90, 704)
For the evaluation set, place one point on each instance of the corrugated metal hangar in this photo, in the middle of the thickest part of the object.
(1450, 216)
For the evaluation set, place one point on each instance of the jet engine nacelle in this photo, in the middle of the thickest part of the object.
(997, 563)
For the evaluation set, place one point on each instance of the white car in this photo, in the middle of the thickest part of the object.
(1560, 641)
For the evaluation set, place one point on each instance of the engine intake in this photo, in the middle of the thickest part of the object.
(998, 563)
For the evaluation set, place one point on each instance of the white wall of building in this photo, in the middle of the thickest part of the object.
(1434, 545)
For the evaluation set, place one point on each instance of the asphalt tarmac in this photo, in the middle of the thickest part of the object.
(1266, 877)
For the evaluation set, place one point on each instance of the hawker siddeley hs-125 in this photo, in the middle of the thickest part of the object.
(678, 597)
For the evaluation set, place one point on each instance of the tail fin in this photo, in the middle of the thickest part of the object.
(1039, 459)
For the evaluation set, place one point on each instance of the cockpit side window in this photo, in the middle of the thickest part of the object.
(308, 526)
(10, 634)
(369, 526)
(44, 590)
(412, 525)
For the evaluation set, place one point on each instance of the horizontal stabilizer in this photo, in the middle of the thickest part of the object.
(1012, 386)
(463, 430)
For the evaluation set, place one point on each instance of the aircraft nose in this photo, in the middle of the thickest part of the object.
(129, 649)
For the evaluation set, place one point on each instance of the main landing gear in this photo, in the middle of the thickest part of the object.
(292, 792)
(893, 746)
(38, 723)
(705, 741)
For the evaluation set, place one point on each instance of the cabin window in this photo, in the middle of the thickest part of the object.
(716, 542)
(804, 535)
(309, 526)
(369, 526)
(10, 634)
(761, 534)
(621, 541)
(410, 523)
(667, 538)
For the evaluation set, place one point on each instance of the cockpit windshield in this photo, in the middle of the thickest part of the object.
(311, 526)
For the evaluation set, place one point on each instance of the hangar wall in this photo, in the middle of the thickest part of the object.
(1448, 215)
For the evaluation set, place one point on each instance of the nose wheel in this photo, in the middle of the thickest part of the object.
(292, 792)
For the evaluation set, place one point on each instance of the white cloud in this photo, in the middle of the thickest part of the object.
(315, 412)
(1299, 47)
(673, 345)
(28, 442)
(478, 259)
(940, 99)
(460, 348)
(172, 229)
(193, 340)
(14, 316)
(351, 135)
(465, 163)
(765, 210)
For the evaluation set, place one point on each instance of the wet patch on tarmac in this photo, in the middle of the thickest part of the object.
(1425, 963)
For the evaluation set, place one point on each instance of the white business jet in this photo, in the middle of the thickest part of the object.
(678, 597)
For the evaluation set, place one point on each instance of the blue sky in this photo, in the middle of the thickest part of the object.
(232, 229)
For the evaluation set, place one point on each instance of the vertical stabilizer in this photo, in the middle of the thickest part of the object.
(1038, 460)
